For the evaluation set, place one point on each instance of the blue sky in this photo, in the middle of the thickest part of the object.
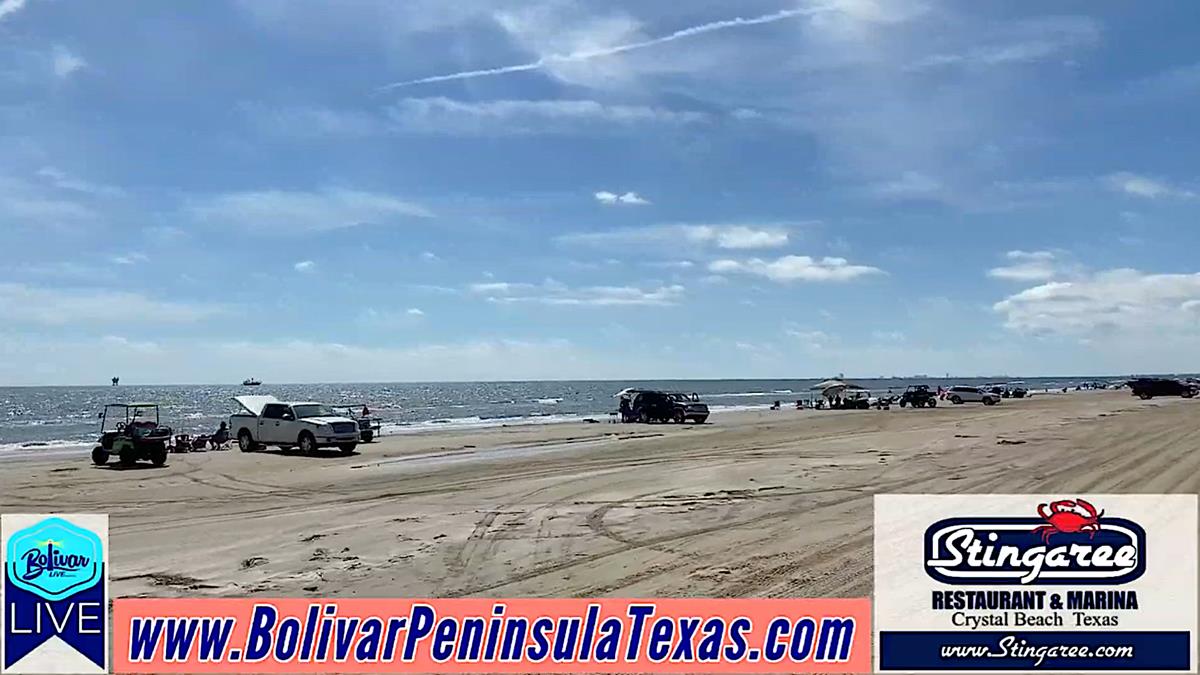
(427, 190)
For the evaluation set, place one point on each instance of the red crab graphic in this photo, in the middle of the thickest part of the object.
(1062, 516)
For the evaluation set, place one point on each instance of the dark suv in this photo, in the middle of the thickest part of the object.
(1149, 387)
(918, 396)
(662, 406)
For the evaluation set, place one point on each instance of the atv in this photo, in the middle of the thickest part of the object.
(918, 396)
(131, 431)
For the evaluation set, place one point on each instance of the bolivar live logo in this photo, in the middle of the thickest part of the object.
(55, 594)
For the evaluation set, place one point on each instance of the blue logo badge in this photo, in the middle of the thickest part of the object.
(55, 559)
(54, 587)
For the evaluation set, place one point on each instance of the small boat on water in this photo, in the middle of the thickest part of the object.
(251, 382)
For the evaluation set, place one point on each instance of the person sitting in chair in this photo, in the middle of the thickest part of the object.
(221, 437)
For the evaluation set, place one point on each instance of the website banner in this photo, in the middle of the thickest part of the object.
(1036, 583)
(491, 636)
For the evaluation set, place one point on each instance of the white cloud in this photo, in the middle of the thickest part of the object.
(294, 212)
(130, 258)
(1028, 266)
(796, 268)
(62, 180)
(313, 121)
(91, 361)
(305, 266)
(23, 303)
(440, 115)
(1106, 303)
(65, 62)
(1026, 42)
(390, 318)
(551, 292)
(29, 203)
(628, 198)
(429, 256)
(808, 335)
(733, 237)
(1146, 187)
(911, 184)
(8, 7)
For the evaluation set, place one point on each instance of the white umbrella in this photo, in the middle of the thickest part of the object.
(821, 386)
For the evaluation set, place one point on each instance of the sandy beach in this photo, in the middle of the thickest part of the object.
(752, 504)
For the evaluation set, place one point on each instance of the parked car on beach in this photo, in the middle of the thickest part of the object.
(1149, 387)
(304, 424)
(958, 395)
(664, 406)
(918, 396)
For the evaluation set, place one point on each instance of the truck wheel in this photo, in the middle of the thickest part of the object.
(932, 403)
(99, 456)
(246, 441)
(903, 403)
(128, 456)
(956, 400)
(989, 401)
(158, 456)
(368, 436)
(347, 448)
(1145, 396)
(680, 417)
(308, 444)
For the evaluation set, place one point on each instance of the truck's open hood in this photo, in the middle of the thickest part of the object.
(255, 404)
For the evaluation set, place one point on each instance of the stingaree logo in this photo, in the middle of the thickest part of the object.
(55, 594)
(1069, 542)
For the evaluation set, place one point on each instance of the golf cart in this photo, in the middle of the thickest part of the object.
(918, 396)
(131, 431)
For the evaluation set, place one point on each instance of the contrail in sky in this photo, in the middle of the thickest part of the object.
(612, 51)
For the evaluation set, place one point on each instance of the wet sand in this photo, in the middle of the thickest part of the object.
(754, 503)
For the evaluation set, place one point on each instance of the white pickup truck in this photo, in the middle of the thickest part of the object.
(303, 424)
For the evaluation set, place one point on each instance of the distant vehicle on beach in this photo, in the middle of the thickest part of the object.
(647, 406)
(1147, 388)
(251, 382)
(959, 395)
(304, 424)
(918, 396)
(368, 427)
(1015, 389)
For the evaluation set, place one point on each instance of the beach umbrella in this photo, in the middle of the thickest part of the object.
(822, 386)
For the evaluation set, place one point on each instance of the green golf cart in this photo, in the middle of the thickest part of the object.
(132, 432)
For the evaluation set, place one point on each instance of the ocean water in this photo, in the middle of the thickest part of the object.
(38, 419)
